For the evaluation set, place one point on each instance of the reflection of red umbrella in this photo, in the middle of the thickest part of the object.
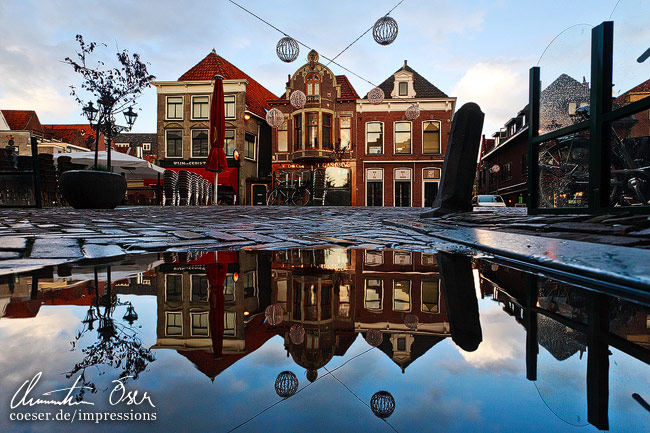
(216, 273)
(217, 157)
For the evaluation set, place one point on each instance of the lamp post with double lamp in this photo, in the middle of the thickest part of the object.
(105, 122)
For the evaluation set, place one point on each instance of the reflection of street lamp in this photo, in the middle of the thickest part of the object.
(130, 316)
(90, 318)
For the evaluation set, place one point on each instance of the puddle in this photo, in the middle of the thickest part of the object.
(320, 340)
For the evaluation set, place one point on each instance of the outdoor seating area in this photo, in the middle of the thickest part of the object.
(184, 188)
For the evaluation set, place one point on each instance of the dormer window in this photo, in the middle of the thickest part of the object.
(403, 88)
(313, 84)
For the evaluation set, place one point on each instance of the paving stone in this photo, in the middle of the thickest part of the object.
(222, 235)
(5, 255)
(55, 248)
(186, 234)
(96, 251)
(12, 243)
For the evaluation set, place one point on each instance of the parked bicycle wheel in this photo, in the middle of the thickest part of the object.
(564, 173)
(300, 197)
(272, 198)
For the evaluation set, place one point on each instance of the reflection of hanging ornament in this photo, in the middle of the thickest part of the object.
(274, 314)
(411, 321)
(494, 267)
(287, 49)
(297, 334)
(286, 384)
(376, 96)
(382, 404)
(413, 112)
(385, 30)
(298, 99)
(275, 118)
(374, 337)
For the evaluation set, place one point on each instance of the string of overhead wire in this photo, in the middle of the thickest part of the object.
(310, 383)
(362, 35)
(310, 48)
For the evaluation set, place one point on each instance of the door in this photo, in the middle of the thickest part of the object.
(375, 194)
(402, 194)
(430, 193)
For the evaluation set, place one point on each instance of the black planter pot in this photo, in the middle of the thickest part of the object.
(90, 189)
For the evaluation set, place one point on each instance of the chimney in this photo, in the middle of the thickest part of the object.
(214, 51)
(404, 64)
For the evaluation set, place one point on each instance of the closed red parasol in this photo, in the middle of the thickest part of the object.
(216, 273)
(216, 161)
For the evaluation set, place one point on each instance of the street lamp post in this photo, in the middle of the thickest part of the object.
(91, 114)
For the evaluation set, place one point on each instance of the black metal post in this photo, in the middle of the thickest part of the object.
(34, 293)
(530, 318)
(108, 148)
(535, 86)
(96, 143)
(602, 43)
(36, 171)
(597, 362)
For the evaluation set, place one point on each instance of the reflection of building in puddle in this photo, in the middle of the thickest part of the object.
(212, 334)
(365, 290)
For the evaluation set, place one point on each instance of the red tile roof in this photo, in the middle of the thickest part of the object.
(18, 119)
(68, 133)
(347, 91)
(641, 88)
(256, 94)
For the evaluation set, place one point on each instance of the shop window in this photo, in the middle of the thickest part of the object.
(374, 138)
(431, 137)
(200, 143)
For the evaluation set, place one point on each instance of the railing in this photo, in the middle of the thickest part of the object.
(586, 167)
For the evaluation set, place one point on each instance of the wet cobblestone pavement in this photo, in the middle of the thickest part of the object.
(618, 246)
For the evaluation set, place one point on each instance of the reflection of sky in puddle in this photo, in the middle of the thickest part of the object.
(446, 388)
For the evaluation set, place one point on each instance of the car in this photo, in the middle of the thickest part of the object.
(488, 201)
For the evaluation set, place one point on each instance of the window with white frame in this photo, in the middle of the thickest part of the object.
(229, 142)
(173, 287)
(430, 296)
(403, 88)
(174, 143)
(200, 107)
(431, 137)
(345, 125)
(374, 138)
(146, 147)
(250, 147)
(174, 323)
(200, 324)
(402, 137)
(283, 137)
(374, 292)
(229, 323)
(229, 105)
(174, 107)
(402, 295)
(200, 147)
(199, 288)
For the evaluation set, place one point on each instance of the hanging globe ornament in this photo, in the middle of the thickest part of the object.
(286, 384)
(297, 334)
(413, 112)
(411, 321)
(382, 404)
(385, 30)
(298, 99)
(376, 96)
(374, 337)
(273, 314)
(287, 49)
(275, 118)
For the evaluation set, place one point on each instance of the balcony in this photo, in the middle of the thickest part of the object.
(312, 156)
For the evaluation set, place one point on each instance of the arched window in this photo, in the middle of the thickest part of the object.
(313, 84)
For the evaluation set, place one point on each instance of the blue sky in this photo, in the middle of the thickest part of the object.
(476, 50)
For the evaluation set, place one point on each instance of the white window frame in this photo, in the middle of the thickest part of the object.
(365, 291)
(167, 107)
(383, 138)
(192, 284)
(283, 129)
(226, 316)
(175, 313)
(383, 190)
(174, 157)
(395, 134)
(192, 142)
(193, 116)
(234, 142)
(168, 275)
(365, 257)
(146, 147)
(439, 136)
(395, 184)
(199, 313)
(226, 101)
(430, 180)
(422, 296)
(399, 88)
(403, 253)
(410, 296)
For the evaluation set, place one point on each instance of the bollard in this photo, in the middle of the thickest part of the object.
(459, 170)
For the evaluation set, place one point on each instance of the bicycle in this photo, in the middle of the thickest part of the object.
(564, 170)
(288, 191)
